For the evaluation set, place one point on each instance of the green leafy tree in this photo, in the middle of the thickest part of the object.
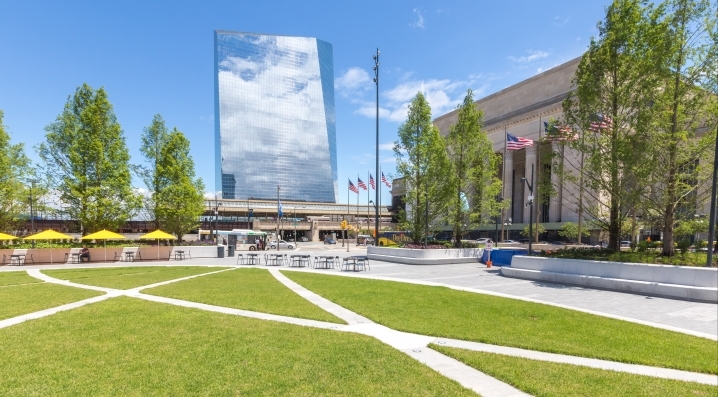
(570, 231)
(154, 139)
(472, 173)
(683, 114)
(14, 169)
(539, 229)
(614, 82)
(88, 162)
(181, 202)
(421, 161)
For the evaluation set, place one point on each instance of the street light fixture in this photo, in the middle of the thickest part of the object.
(496, 220)
(507, 224)
(530, 204)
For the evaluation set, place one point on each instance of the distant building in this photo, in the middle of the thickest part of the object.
(274, 117)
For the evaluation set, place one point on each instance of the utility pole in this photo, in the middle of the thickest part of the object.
(279, 215)
(32, 215)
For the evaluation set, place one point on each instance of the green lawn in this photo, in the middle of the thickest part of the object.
(247, 289)
(22, 299)
(441, 311)
(17, 278)
(540, 378)
(129, 347)
(127, 277)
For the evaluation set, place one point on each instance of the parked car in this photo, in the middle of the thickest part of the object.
(625, 244)
(509, 242)
(523, 241)
(304, 239)
(556, 243)
(329, 240)
(282, 244)
(482, 241)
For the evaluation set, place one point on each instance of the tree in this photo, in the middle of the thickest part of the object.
(421, 161)
(682, 114)
(539, 230)
(472, 170)
(613, 83)
(570, 231)
(14, 169)
(87, 160)
(180, 203)
(154, 139)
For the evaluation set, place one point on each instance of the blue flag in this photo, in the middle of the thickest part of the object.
(279, 209)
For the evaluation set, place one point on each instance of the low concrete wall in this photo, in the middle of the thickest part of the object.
(410, 256)
(695, 283)
(57, 255)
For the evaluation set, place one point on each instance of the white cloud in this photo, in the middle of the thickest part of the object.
(539, 70)
(386, 146)
(533, 56)
(437, 92)
(353, 79)
(420, 21)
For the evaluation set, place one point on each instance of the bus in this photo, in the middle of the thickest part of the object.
(242, 239)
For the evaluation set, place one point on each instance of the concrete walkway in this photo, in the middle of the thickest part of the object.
(414, 345)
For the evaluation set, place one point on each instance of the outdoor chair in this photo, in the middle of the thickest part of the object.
(240, 259)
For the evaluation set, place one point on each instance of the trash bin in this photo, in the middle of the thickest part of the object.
(220, 251)
(230, 250)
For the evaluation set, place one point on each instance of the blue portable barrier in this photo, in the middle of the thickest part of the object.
(502, 257)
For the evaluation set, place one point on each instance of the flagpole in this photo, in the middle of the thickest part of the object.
(503, 178)
(368, 195)
(539, 174)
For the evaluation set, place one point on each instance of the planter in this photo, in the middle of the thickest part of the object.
(694, 283)
(57, 255)
(409, 256)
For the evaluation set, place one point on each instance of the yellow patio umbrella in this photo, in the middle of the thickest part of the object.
(104, 235)
(4, 236)
(158, 235)
(48, 235)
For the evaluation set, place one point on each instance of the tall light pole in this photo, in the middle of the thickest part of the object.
(426, 217)
(496, 222)
(376, 191)
(531, 205)
(217, 204)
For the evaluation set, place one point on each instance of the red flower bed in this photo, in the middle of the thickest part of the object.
(421, 246)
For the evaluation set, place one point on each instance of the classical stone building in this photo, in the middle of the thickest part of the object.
(521, 110)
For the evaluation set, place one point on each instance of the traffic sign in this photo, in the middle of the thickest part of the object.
(489, 245)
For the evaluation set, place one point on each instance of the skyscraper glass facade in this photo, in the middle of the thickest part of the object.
(274, 117)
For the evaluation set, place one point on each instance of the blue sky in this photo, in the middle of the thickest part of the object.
(157, 57)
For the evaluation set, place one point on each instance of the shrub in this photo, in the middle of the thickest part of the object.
(683, 245)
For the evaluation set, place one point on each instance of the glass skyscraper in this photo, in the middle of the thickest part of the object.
(274, 117)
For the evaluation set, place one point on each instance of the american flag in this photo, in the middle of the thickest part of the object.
(352, 187)
(371, 182)
(600, 122)
(383, 179)
(514, 143)
(361, 184)
(555, 132)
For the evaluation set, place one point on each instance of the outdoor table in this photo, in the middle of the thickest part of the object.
(179, 255)
(17, 260)
(354, 261)
(325, 260)
(298, 259)
(252, 259)
(75, 257)
(129, 256)
(275, 260)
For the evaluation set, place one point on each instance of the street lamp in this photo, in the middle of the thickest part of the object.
(32, 214)
(530, 204)
(496, 220)
(507, 224)
(376, 191)
(217, 204)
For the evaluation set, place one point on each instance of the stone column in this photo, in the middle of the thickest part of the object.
(557, 183)
(530, 159)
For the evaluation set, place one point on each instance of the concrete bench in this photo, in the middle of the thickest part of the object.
(693, 283)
